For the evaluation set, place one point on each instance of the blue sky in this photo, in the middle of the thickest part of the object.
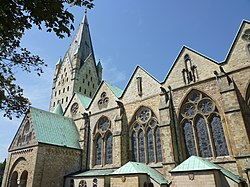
(129, 33)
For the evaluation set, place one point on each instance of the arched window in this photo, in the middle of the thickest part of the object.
(141, 146)
(98, 156)
(109, 149)
(104, 143)
(23, 179)
(13, 179)
(202, 128)
(145, 135)
(82, 183)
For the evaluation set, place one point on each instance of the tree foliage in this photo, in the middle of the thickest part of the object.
(16, 16)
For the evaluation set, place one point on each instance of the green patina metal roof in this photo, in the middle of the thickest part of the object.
(58, 109)
(54, 129)
(195, 163)
(90, 173)
(117, 91)
(136, 167)
(84, 100)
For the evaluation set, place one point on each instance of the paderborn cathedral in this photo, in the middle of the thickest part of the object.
(191, 130)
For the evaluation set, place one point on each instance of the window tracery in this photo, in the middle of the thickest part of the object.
(145, 137)
(103, 101)
(103, 143)
(202, 128)
(82, 183)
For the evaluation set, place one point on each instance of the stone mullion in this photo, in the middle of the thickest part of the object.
(146, 147)
(138, 147)
(154, 143)
(103, 152)
(212, 146)
(195, 138)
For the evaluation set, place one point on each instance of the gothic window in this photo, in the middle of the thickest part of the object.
(158, 145)
(62, 100)
(189, 137)
(218, 135)
(202, 128)
(63, 90)
(98, 158)
(88, 83)
(109, 149)
(80, 89)
(54, 104)
(141, 146)
(104, 143)
(145, 135)
(59, 92)
(66, 99)
(84, 91)
(55, 93)
(134, 146)
(83, 81)
(150, 146)
(68, 88)
(90, 94)
(202, 136)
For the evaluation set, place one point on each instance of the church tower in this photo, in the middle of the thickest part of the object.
(77, 71)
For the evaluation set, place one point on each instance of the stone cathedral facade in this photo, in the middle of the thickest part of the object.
(192, 129)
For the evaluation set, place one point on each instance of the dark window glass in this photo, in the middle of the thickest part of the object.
(189, 138)
(141, 147)
(158, 144)
(151, 156)
(202, 135)
(98, 150)
(218, 136)
(134, 146)
(109, 149)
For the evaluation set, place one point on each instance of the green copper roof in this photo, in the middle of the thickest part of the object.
(195, 163)
(100, 172)
(117, 91)
(58, 109)
(54, 129)
(84, 100)
(136, 167)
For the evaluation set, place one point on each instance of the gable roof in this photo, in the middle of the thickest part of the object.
(137, 167)
(58, 109)
(54, 129)
(195, 163)
(85, 101)
(114, 89)
(133, 74)
(117, 91)
(204, 56)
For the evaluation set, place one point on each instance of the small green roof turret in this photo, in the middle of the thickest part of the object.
(58, 109)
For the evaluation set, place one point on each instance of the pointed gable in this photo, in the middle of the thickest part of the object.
(199, 67)
(54, 129)
(149, 86)
(239, 53)
(25, 135)
(77, 106)
(105, 97)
